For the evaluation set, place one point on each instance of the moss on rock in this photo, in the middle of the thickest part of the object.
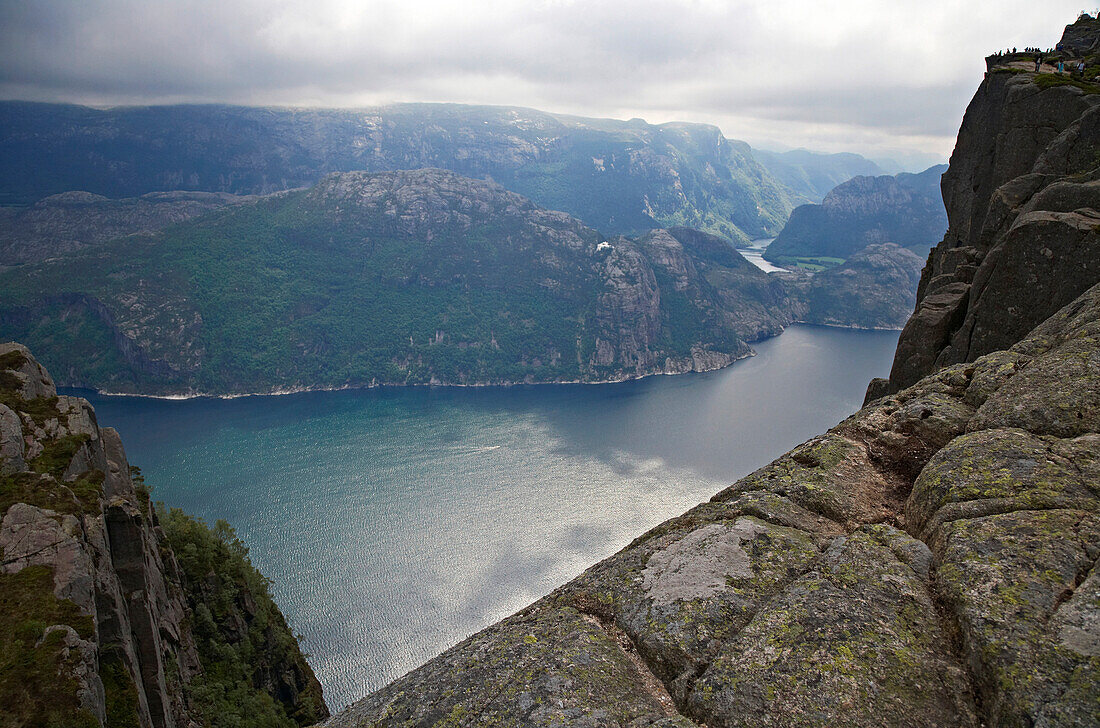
(1005, 578)
(855, 641)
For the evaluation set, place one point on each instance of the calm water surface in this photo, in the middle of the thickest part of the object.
(755, 255)
(395, 523)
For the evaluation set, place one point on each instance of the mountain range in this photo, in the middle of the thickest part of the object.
(408, 277)
(906, 209)
(418, 276)
(616, 176)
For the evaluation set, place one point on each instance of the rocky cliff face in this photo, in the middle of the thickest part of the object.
(905, 209)
(64, 223)
(96, 621)
(930, 561)
(1022, 194)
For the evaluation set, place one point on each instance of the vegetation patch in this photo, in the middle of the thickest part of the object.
(120, 691)
(36, 683)
(1053, 80)
(41, 491)
(243, 649)
(40, 409)
(141, 489)
(14, 359)
(57, 454)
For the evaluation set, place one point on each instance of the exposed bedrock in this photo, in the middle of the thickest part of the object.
(97, 620)
(1022, 195)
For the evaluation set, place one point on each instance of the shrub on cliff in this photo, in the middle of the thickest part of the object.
(247, 651)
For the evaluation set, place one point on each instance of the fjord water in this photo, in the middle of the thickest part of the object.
(393, 523)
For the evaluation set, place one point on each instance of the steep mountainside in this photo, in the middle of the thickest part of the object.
(1022, 196)
(617, 176)
(404, 277)
(906, 209)
(110, 614)
(811, 174)
(930, 561)
(64, 223)
(872, 289)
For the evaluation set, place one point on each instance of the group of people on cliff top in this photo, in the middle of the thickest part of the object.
(1026, 51)
(1061, 66)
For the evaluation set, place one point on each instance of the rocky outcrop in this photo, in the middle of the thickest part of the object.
(70, 221)
(628, 312)
(1081, 38)
(1022, 195)
(930, 561)
(905, 209)
(95, 625)
(872, 289)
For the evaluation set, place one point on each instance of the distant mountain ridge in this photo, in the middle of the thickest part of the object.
(812, 174)
(873, 289)
(407, 277)
(616, 176)
(70, 221)
(906, 209)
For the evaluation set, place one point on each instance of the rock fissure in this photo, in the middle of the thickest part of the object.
(952, 629)
(37, 552)
(649, 681)
(1083, 572)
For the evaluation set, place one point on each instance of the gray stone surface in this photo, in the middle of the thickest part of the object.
(33, 380)
(1022, 196)
(12, 446)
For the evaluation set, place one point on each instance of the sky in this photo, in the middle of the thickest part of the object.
(884, 78)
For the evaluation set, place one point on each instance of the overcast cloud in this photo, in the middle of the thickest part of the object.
(880, 77)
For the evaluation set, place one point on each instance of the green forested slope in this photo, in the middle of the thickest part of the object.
(407, 277)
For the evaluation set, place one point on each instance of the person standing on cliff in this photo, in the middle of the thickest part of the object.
(1061, 67)
(1038, 62)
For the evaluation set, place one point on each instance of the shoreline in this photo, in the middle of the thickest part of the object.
(477, 385)
(393, 385)
(851, 327)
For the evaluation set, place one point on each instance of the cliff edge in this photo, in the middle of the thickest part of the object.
(100, 623)
(1022, 194)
